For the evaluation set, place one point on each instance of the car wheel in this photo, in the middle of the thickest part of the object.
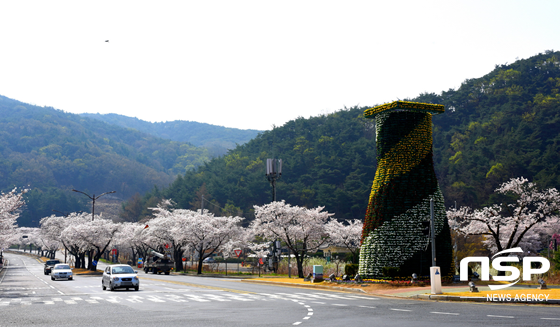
(52, 278)
(111, 287)
(167, 272)
(103, 286)
(70, 278)
(136, 288)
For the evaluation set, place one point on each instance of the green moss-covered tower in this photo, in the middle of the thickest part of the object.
(404, 183)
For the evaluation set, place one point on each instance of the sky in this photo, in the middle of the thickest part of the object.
(256, 64)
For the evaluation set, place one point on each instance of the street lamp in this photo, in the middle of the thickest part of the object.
(93, 198)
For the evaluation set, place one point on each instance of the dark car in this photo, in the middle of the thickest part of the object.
(49, 264)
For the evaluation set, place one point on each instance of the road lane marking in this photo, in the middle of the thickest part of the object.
(493, 316)
(216, 297)
(197, 285)
(365, 306)
(335, 296)
(196, 298)
(445, 313)
(154, 299)
(340, 305)
(363, 297)
(405, 310)
(550, 318)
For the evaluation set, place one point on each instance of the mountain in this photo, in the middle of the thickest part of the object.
(51, 152)
(505, 124)
(217, 139)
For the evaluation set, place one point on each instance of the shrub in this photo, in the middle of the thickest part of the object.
(391, 272)
(351, 269)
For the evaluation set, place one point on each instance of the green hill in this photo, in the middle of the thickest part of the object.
(217, 139)
(505, 124)
(51, 152)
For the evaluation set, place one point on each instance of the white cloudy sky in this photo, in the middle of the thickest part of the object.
(254, 64)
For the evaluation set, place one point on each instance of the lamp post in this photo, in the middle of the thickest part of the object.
(273, 172)
(93, 198)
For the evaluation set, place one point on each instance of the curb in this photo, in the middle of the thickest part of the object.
(356, 290)
(476, 299)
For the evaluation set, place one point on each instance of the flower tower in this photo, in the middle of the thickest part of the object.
(393, 243)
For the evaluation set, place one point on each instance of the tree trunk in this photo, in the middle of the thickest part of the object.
(200, 259)
(178, 256)
(83, 260)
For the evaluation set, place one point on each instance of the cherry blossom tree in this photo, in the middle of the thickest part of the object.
(131, 237)
(301, 229)
(522, 222)
(187, 229)
(28, 237)
(209, 234)
(347, 235)
(98, 235)
(53, 230)
(10, 203)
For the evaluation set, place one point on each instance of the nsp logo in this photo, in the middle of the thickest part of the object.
(497, 264)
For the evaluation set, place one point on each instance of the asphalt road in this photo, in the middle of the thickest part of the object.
(29, 298)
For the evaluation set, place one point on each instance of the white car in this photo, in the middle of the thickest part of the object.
(61, 271)
(120, 276)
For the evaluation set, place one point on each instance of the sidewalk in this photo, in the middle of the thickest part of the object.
(525, 294)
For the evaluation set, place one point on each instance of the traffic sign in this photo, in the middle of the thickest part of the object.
(114, 252)
(238, 252)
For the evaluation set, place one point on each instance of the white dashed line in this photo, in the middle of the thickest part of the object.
(445, 313)
(400, 310)
(365, 306)
(493, 316)
(340, 305)
(550, 318)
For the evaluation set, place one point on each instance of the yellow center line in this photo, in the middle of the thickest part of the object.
(198, 285)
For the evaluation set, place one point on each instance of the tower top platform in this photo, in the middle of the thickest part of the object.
(405, 105)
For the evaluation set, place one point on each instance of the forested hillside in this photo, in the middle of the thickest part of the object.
(216, 139)
(50, 152)
(505, 124)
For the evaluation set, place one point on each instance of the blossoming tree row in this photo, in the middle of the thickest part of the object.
(183, 232)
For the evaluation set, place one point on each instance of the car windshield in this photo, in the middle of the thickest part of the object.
(61, 267)
(123, 270)
(53, 262)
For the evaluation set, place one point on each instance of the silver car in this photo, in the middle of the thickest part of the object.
(61, 271)
(120, 276)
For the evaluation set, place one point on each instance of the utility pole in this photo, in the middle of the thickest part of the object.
(433, 232)
(435, 273)
(273, 172)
